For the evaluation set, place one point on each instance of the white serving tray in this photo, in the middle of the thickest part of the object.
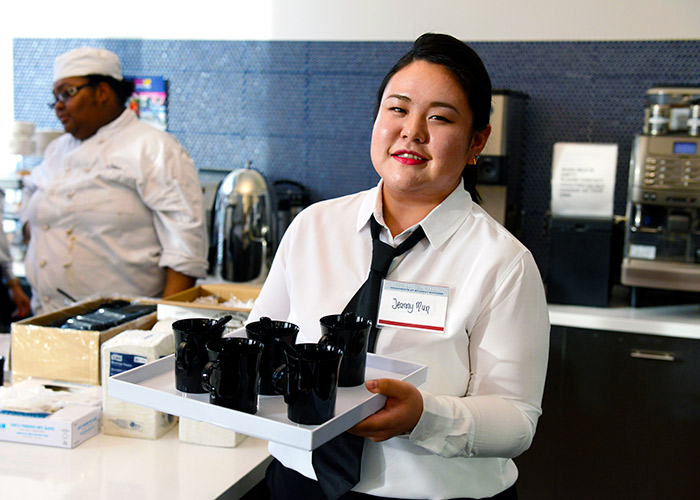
(153, 385)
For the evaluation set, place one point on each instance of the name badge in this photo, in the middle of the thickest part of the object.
(413, 305)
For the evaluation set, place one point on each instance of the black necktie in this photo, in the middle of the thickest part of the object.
(365, 303)
(337, 462)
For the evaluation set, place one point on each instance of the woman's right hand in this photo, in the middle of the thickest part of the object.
(401, 412)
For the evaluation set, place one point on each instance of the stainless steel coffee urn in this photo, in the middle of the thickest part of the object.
(243, 230)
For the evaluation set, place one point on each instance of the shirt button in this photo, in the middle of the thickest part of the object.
(42, 263)
(46, 227)
(69, 231)
(67, 264)
(69, 195)
(46, 299)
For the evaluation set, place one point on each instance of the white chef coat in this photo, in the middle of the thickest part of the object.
(109, 213)
(486, 370)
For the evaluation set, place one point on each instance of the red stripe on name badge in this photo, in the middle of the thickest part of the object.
(409, 325)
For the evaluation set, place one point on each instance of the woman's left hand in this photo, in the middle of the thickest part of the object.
(22, 303)
(401, 412)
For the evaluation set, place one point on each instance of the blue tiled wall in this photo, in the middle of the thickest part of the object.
(303, 110)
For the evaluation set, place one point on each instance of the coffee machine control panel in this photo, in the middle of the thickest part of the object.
(665, 171)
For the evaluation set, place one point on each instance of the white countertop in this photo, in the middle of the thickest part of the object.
(681, 321)
(111, 467)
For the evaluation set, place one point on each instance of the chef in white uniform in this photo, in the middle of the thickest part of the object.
(115, 206)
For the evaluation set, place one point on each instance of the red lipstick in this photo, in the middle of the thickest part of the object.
(408, 157)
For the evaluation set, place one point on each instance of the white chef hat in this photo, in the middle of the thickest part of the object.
(85, 61)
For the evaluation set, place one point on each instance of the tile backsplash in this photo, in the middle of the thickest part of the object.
(303, 110)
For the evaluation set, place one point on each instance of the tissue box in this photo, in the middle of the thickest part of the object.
(182, 305)
(127, 350)
(42, 351)
(65, 428)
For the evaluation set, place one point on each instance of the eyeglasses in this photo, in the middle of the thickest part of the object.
(66, 94)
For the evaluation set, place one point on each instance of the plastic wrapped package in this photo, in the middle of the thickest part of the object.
(49, 412)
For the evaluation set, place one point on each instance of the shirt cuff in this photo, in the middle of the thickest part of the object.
(194, 267)
(443, 428)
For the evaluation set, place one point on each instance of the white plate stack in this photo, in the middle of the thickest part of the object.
(21, 142)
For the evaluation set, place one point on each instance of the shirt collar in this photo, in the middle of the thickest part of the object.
(439, 224)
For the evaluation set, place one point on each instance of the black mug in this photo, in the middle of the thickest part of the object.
(309, 382)
(232, 375)
(191, 336)
(349, 333)
(272, 334)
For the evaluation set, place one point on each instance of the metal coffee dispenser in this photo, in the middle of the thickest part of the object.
(662, 234)
(243, 229)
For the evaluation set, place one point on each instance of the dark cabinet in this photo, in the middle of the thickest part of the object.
(621, 419)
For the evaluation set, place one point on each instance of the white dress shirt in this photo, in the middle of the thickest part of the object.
(486, 370)
(109, 213)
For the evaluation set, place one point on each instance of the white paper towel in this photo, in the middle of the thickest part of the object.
(126, 350)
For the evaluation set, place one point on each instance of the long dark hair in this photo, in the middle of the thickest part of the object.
(467, 67)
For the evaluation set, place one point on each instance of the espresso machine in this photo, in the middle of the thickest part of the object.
(662, 233)
(243, 232)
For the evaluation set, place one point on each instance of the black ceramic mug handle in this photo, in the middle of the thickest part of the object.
(186, 354)
(206, 375)
(333, 342)
(279, 379)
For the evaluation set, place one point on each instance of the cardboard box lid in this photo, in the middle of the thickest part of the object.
(222, 292)
(39, 350)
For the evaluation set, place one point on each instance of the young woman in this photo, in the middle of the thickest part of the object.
(454, 436)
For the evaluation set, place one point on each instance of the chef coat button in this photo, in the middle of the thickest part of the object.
(46, 299)
(69, 231)
(69, 195)
(67, 264)
(46, 227)
(42, 263)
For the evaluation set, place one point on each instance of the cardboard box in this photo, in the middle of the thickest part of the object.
(183, 305)
(67, 427)
(42, 351)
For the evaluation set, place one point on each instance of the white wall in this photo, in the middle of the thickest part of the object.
(335, 20)
(356, 19)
